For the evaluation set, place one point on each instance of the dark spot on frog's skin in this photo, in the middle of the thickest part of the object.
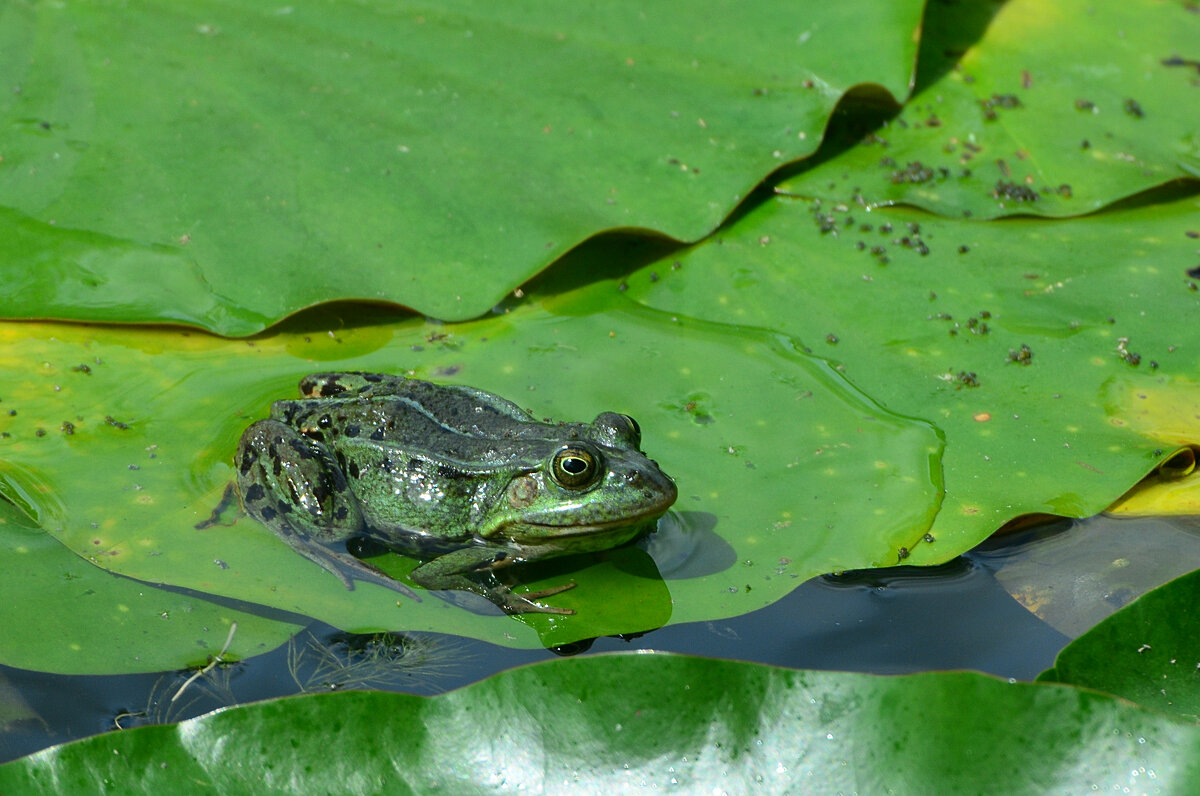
(283, 508)
(352, 469)
(302, 448)
(352, 430)
(268, 513)
(248, 459)
(323, 421)
(315, 436)
(277, 466)
(341, 460)
(377, 434)
(341, 513)
(255, 493)
(374, 378)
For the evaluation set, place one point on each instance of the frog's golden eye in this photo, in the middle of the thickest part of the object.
(574, 468)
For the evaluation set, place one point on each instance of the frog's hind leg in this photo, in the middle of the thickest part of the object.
(294, 486)
(449, 571)
(346, 567)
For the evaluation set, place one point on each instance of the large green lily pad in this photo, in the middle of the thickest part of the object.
(276, 156)
(1038, 348)
(122, 442)
(621, 722)
(799, 390)
(105, 623)
(1055, 111)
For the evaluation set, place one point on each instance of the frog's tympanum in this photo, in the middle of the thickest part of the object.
(462, 479)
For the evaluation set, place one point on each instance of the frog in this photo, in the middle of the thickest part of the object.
(465, 481)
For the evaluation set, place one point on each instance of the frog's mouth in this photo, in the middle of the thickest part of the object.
(550, 530)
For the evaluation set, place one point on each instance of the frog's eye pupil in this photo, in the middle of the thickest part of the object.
(574, 468)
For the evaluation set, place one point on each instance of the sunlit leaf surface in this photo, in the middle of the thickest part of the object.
(276, 156)
(1057, 110)
(831, 387)
(613, 723)
(1046, 352)
(122, 442)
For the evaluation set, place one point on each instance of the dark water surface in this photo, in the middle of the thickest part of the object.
(905, 619)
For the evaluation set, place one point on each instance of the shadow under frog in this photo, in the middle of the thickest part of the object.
(466, 481)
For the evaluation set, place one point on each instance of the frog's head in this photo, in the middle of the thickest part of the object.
(592, 484)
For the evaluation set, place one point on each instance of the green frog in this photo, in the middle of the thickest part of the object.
(462, 479)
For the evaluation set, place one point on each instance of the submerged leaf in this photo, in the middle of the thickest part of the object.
(1148, 652)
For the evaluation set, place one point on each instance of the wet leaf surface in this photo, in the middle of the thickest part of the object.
(1052, 112)
(1036, 347)
(656, 721)
(150, 444)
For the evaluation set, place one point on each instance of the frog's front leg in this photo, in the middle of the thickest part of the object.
(293, 485)
(449, 571)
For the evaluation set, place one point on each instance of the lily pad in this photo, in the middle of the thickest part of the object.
(277, 156)
(1052, 112)
(812, 417)
(1038, 348)
(104, 623)
(1148, 652)
(652, 722)
(120, 455)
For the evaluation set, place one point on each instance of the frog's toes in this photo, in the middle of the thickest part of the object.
(537, 595)
(519, 605)
(527, 602)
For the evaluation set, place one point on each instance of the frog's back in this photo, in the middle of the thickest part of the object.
(448, 423)
(464, 409)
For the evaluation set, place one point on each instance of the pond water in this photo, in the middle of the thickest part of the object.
(972, 613)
